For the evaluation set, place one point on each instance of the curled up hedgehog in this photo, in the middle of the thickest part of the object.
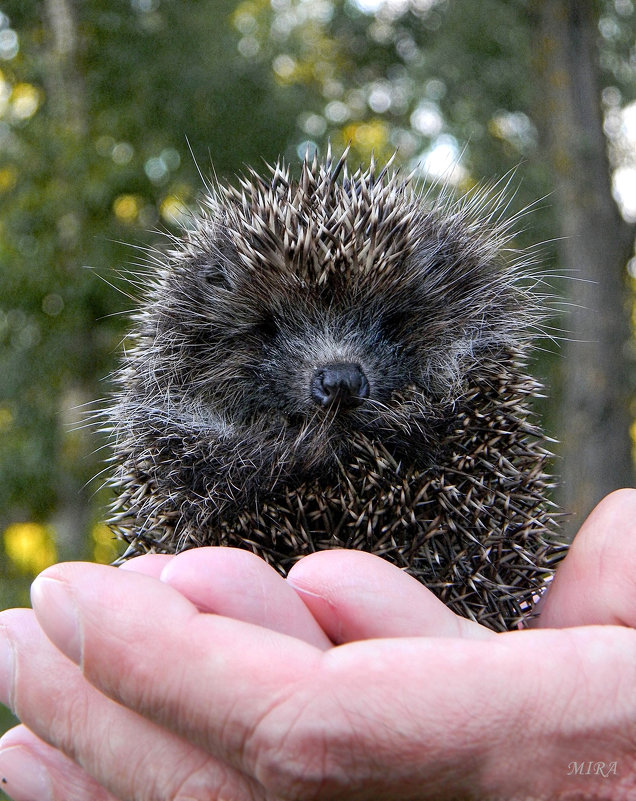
(341, 362)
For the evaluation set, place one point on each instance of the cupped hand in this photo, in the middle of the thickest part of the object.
(207, 676)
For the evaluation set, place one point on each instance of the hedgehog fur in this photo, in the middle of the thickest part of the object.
(341, 362)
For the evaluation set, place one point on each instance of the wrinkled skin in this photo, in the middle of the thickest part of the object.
(208, 676)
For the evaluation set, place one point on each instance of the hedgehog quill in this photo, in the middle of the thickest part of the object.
(341, 362)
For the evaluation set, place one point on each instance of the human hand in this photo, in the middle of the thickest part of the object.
(264, 707)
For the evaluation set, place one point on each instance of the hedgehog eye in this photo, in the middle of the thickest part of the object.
(266, 327)
(393, 323)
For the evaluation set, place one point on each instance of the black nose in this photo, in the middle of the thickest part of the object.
(343, 383)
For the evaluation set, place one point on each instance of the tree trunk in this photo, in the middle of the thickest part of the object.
(69, 124)
(65, 86)
(596, 244)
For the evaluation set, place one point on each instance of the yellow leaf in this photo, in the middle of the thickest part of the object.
(126, 207)
(30, 546)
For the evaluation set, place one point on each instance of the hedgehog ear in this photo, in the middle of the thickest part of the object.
(214, 275)
(216, 267)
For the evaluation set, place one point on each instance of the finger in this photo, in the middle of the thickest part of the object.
(596, 582)
(358, 596)
(150, 564)
(32, 770)
(142, 644)
(238, 584)
(123, 752)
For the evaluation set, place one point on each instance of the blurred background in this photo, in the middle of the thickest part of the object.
(108, 109)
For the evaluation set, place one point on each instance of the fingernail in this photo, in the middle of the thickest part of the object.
(55, 609)
(23, 777)
(7, 668)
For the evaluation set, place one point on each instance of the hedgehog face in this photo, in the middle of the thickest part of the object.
(319, 310)
(266, 348)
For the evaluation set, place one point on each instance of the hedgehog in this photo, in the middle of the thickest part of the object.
(341, 361)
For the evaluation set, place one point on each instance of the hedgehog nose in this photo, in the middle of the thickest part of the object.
(343, 383)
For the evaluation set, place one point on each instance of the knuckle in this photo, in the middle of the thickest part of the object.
(212, 780)
(306, 762)
(70, 725)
